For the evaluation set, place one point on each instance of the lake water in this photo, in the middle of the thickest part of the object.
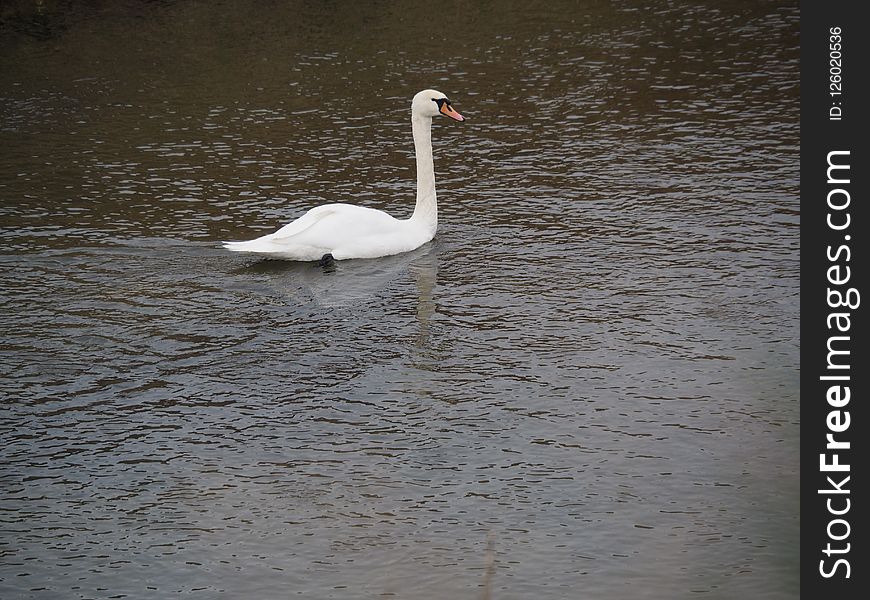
(585, 387)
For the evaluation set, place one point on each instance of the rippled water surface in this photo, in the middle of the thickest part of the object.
(585, 387)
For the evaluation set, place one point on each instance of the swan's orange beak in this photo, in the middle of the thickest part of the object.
(446, 109)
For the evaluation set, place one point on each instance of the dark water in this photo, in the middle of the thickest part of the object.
(592, 370)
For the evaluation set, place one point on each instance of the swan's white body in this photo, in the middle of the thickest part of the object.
(347, 231)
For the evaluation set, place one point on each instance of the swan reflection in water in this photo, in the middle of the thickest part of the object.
(353, 282)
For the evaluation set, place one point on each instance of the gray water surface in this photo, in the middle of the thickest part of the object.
(592, 370)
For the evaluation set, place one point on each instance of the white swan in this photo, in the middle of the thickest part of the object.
(342, 231)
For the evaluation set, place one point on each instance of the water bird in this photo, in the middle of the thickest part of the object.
(342, 231)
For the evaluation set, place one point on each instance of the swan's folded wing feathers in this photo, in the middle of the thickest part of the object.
(312, 217)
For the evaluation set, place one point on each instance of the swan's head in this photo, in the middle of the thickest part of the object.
(431, 103)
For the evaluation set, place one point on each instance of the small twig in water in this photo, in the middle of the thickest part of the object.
(488, 566)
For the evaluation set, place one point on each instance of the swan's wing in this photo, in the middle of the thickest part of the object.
(276, 244)
(306, 221)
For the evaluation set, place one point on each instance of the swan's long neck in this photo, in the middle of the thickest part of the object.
(426, 210)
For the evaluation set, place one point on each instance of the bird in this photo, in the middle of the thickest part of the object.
(340, 231)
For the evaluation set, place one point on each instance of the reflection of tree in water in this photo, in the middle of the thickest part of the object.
(49, 19)
(39, 19)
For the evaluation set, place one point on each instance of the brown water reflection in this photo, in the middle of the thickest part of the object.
(595, 363)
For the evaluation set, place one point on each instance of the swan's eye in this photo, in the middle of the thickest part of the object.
(441, 102)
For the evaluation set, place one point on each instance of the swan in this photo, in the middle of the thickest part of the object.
(342, 231)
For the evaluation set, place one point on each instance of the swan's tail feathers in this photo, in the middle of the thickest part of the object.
(268, 249)
(259, 246)
(249, 246)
